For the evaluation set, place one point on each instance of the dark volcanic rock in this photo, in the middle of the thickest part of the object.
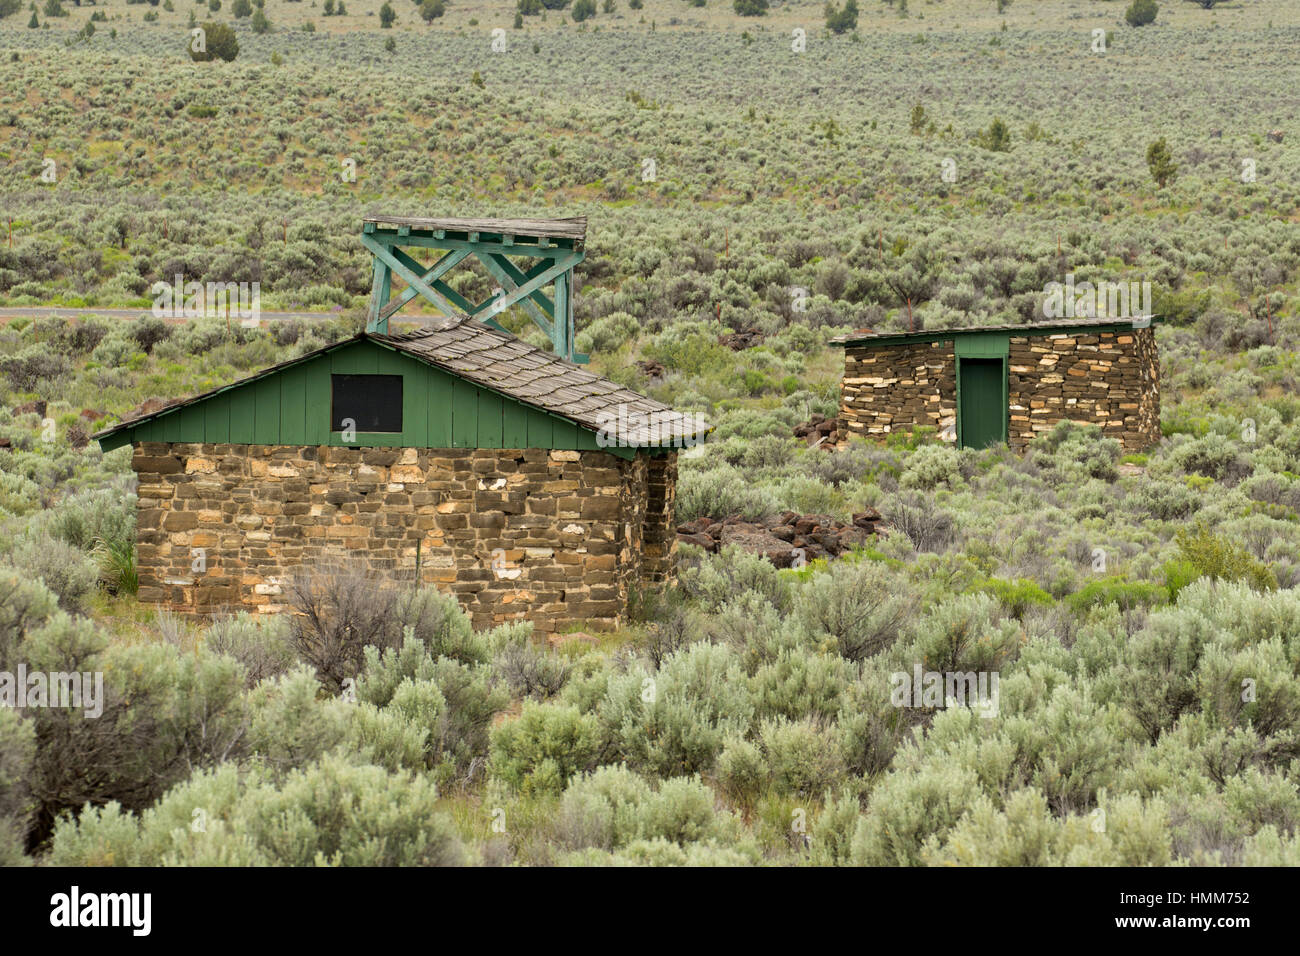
(784, 539)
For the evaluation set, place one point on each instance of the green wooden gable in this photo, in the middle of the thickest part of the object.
(290, 404)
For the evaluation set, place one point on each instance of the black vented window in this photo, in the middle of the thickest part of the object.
(372, 402)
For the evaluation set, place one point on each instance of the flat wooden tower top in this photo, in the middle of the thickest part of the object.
(574, 228)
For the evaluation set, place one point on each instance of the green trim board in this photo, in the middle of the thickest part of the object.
(290, 405)
(995, 345)
(519, 285)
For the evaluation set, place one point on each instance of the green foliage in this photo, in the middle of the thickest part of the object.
(996, 138)
(1117, 590)
(1160, 159)
(842, 19)
(330, 813)
(544, 747)
(219, 41)
(677, 720)
(1140, 13)
(1219, 559)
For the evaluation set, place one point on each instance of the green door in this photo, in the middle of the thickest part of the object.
(982, 404)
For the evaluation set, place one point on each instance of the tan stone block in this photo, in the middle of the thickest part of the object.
(407, 474)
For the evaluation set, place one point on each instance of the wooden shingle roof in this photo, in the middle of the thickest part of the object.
(498, 360)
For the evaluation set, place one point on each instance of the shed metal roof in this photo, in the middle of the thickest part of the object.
(1030, 328)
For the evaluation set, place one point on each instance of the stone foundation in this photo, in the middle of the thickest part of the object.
(1108, 379)
(554, 537)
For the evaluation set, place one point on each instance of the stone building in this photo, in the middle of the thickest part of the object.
(459, 455)
(981, 386)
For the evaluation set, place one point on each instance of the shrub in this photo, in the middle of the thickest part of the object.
(1017, 596)
(676, 721)
(544, 747)
(720, 493)
(340, 611)
(529, 671)
(927, 526)
(163, 714)
(17, 755)
(931, 466)
(32, 366)
(1140, 13)
(803, 758)
(331, 813)
(288, 725)
(607, 333)
(750, 8)
(858, 608)
(1219, 559)
(68, 572)
(723, 577)
(842, 20)
(261, 644)
(908, 808)
(1160, 159)
(438, 622)
(1126, 595)
(458, 742)
(798, 684)
(219, 41)
(742, 773)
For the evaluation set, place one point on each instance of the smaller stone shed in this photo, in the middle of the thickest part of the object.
(525, 485)
(981, 386)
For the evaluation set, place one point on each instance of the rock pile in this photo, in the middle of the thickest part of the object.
(784, 538)
(651, 369)
(817, 427)
(742, 339)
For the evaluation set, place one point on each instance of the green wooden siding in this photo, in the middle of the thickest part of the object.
(291, 406)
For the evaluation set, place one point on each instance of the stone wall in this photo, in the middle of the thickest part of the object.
(896, 387)
(659, 556)
(554, 537)
(1108, 379)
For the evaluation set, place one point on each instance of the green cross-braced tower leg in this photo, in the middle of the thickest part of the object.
(553, 246)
